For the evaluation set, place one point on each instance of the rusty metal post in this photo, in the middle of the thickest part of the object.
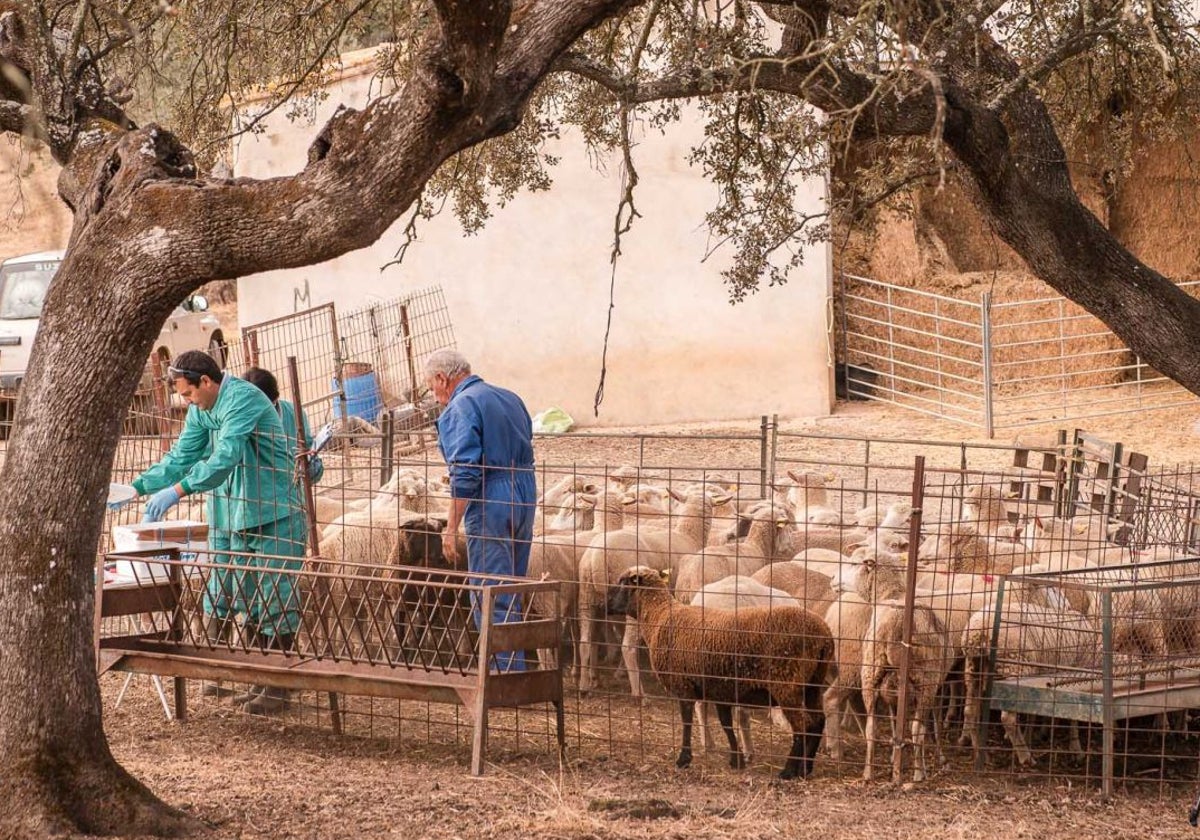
(250, 348)
(160, 388)
(910, 586)
(414, 390)
(387, 456)
(762, 458)
(320, 585)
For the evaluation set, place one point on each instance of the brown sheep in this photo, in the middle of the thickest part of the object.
(779, 657)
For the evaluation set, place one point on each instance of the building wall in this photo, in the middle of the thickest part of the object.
(529, 294)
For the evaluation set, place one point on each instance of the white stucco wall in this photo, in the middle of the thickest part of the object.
(529, 295)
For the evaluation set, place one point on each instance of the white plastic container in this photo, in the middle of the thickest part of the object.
(188, 536)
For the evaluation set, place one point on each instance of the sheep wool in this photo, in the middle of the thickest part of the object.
(779, 656)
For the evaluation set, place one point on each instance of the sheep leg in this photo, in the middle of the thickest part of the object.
(835, 699)
(686, 710)
(1013, 730)
(937, 736)
(1075, 745)
(743, 719)
(702, 711)
(725, 715)
(629, 654)
(868, 695)
(919, 733)
(816, 725)
(587, 650)
(970, 727)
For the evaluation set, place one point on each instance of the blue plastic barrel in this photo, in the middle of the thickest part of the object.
(362, 397)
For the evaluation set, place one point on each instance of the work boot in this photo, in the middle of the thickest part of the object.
(216, 629)
(272, 701)
(215, 690)
(249, 694)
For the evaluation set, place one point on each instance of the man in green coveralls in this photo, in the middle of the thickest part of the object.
(234, 447)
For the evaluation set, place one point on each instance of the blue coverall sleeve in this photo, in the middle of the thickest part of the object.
(461, 440)
(191, 446)
(239, 421)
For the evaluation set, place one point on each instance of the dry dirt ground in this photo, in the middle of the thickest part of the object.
(290, 777)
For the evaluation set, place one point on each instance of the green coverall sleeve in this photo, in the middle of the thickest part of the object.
(187, 451)
(239, 420)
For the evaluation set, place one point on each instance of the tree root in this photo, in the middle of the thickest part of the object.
(90, 796)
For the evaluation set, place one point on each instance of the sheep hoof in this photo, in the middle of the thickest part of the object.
(788, 772)
(737, 761)
(684, 760)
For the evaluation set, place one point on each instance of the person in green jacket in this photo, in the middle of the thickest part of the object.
(234, 447)
(269, 385)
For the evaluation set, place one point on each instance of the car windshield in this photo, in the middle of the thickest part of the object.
(23, 289)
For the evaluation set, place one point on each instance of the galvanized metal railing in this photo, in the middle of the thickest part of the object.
(990, 364)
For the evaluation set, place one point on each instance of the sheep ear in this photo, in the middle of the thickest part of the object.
(665, 575)
(591, 487)
(720, 499)
(795, 476)
(629, 499)
(675, 494)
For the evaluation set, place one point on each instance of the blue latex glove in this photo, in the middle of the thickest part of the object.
(160, 503)
(316, 468)
(121, 504)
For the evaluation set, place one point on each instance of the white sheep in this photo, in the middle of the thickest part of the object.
(984, 506)
(879, 580)
(744, 558)
(1033, 638)
(737, 593)
(662, 549)
(809, 498)
(557, 557)
(811, 588)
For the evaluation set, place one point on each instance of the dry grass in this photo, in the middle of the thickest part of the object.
(251, 778)
(395, 776)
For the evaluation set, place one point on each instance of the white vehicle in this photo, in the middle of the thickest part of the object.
(23, 284)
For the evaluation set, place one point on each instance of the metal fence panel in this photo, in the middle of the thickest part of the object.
(990, 364)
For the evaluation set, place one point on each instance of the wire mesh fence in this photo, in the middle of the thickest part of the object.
(987, 363)
(781, 579)
(902, 549)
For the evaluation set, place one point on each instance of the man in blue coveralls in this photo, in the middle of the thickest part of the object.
(486, 438)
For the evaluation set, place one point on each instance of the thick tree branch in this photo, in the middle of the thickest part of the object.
(835, 90)
(1072, 45)
(367, 167)
(548, 28)
(17, 118)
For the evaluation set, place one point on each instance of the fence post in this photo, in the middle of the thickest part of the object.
(762, 457)
(388, 454)
(985, 317)
(414, 387)
(321, 584)
(910, 586)
(772, 475)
